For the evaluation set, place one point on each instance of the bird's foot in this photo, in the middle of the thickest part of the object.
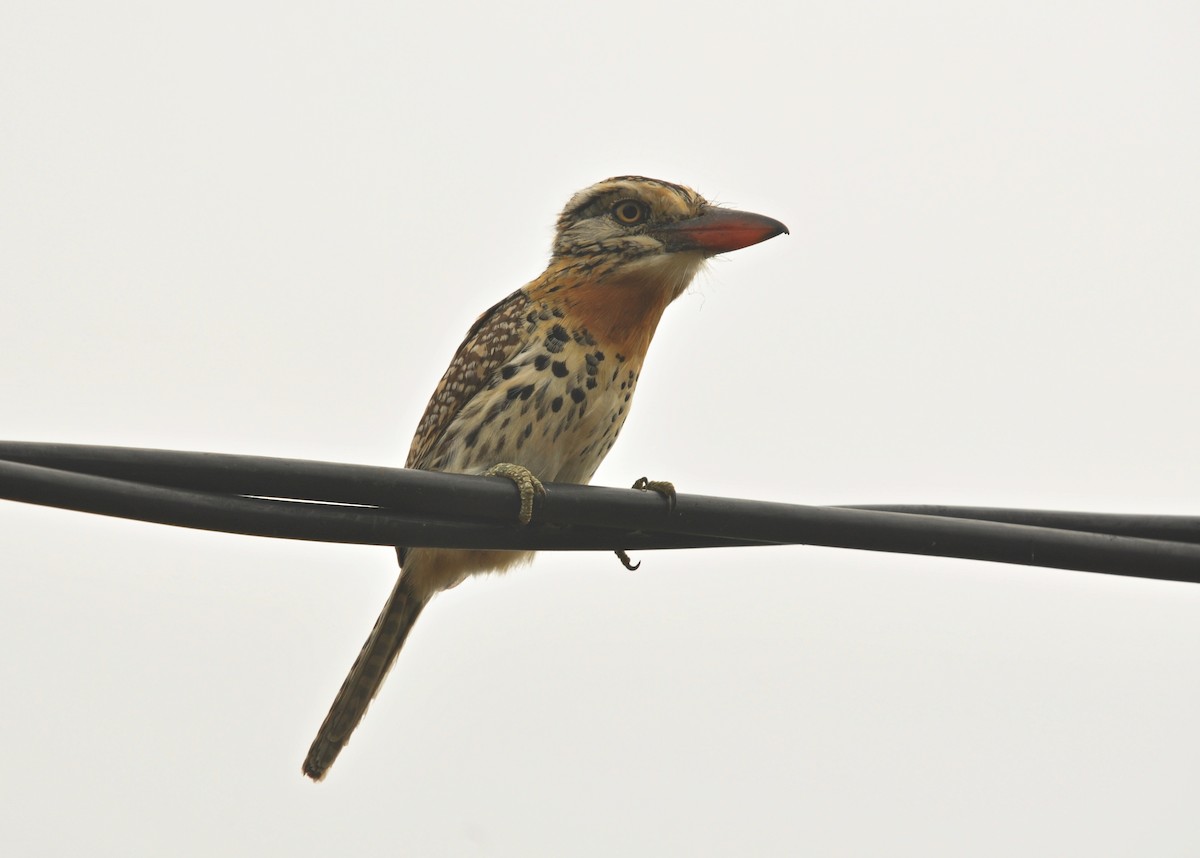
(527, 484)
(662, 487)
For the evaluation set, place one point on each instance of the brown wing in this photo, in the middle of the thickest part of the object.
(494, 338)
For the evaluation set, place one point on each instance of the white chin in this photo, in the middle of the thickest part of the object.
(672, 271)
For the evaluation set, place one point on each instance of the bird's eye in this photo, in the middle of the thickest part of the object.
(630, 212)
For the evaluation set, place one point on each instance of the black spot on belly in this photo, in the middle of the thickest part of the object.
(557, 339)
(583, 338)
(591, 383)
(559, 368)
(508, 371)
(541, 362)
(527, 391)
(471, 438)
(555, 404)
(577, 395)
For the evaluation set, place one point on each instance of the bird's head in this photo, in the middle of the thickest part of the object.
(627, 247)
(650, 229)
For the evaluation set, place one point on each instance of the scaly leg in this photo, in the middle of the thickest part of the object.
(662, 487)
(527, 484)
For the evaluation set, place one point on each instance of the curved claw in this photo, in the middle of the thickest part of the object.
(527, 485)
(662, 487)
(626, 562)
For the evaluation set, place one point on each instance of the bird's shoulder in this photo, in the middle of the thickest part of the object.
(496, 336)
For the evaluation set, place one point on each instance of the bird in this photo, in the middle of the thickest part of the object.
(542, 384)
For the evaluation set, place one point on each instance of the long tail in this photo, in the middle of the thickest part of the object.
(399, 614)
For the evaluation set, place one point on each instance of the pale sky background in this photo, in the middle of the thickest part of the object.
(264, 227)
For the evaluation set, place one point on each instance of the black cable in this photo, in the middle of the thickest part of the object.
(397, 506)
(1174, 528)
(313, 521)
(460, 496)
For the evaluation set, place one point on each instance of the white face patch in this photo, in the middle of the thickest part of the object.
(672, 272)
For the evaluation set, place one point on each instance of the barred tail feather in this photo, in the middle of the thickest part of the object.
(365, 677)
